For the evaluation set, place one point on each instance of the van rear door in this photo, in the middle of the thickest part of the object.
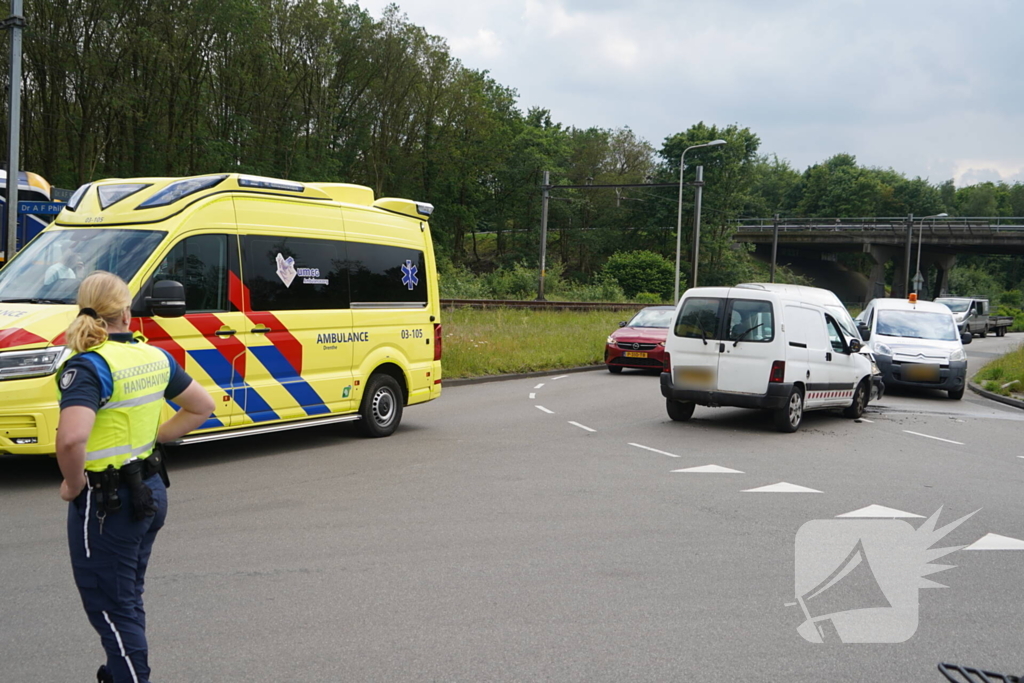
(695, 347)
(749, 348)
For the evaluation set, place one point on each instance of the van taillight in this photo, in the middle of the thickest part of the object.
(437, 341)
(778, 373)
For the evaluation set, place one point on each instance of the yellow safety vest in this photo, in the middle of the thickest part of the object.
(126, 425)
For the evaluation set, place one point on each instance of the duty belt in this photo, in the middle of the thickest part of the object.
(132, 474)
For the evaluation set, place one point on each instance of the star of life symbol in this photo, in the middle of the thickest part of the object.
(857, 580)
(286, 269)
(409, 278)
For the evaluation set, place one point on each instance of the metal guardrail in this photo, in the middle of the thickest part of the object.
(541, 305)
(971, 225)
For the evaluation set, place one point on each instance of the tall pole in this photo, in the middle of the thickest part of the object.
(906, 254)
(545, 197)
(696, 226)
(920, 238)
(14, 23)
(775, 244)
(679, 229)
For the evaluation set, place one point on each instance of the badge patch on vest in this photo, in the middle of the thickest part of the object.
(67, 378)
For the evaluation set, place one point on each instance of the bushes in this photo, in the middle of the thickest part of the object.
(642, 271)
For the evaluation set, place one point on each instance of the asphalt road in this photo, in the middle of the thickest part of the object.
(494, 540)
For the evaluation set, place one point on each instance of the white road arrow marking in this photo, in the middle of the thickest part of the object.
(709, 469)
(782, 487)
(654, 450)
(996, 542)
(577, 424)
(542, 408)
(881, 512)
(929, 436)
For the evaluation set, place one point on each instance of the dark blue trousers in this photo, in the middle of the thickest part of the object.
(109, 563)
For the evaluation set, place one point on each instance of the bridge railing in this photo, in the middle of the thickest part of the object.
(970, 225)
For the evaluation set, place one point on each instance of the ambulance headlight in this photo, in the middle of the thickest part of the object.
(35, 363)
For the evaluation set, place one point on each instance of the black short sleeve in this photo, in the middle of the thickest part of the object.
(80, 385)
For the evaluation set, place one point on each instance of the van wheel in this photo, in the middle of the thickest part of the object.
(680, 411)
(860, 401)
(984, 332)
(956, 394)
(788, 418)
(381, 409)
(615, 369)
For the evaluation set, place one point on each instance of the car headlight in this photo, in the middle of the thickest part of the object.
(610, 340)
(35, 363)
(959, 354)
(882, 350)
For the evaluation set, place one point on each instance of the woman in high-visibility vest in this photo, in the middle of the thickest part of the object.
(112, 394)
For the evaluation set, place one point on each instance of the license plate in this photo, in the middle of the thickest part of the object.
(921, 372)
(695, 377)
(635, 354)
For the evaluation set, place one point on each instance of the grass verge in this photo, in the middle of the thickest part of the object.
(503, 340)
(1004, 376)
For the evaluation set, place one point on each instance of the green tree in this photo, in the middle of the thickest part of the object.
(642, 271)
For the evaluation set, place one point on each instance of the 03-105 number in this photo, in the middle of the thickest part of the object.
(412, 334)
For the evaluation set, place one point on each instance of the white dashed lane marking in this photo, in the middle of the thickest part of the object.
(533, 395)
(929, 436)
(559, 377)
(654, 450)
(543, 409)
(709, 469)
(782, 487)
(539, 385)
(577, 424)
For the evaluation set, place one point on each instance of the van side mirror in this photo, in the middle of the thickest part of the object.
(865, 331)
(167, 299)
(855, 346)
(966, 338)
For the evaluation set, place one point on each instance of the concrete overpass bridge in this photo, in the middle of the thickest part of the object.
(940, 240)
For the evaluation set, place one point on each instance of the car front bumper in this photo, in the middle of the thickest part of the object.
(952, 376)
(656, 359)
(776, 397)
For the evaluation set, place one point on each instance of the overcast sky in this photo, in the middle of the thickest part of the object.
(928, 87)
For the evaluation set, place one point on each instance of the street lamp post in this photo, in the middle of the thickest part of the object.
(920, 238)
(679, 220)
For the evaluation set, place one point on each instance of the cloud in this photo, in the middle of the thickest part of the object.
(928, 87)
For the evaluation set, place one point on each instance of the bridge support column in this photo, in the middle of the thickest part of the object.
(876, 281)
(943, 263)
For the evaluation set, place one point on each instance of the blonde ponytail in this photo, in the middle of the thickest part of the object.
(102, 297)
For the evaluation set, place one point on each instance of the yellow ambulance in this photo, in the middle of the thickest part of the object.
(294, 304)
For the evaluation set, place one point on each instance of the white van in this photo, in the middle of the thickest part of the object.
(916, 344)
(752, 347)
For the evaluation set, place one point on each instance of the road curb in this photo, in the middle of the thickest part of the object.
(1006, 400)
(518, 375)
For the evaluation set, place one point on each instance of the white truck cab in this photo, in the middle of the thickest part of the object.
(759, 346)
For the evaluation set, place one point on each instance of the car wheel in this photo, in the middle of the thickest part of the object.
(381, 408)
(789, 417)
(860, 401)
(956, 394)
(615, 369)
(680, 411)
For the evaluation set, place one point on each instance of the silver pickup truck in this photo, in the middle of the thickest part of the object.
(972, 316)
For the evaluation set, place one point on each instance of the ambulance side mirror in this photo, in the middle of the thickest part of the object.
(167, 299)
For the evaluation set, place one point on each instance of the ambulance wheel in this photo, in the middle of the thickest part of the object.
(860, 401)
(615, 369)
(382, 406)
(789, 417)
(679, 411)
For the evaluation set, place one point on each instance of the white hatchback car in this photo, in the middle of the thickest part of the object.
(752, 347)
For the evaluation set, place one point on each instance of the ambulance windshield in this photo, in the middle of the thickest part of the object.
(51, 267)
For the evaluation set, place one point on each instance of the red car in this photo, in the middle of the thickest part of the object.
(640, 343)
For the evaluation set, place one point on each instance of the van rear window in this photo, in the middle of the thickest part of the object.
(699, 318)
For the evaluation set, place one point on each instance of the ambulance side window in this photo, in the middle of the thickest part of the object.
(201, 264)
(386, 276)
(295, 273)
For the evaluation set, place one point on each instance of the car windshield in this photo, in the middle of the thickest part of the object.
(917, 325)
(653, 317)
(51, 267)
(842, 317)
(955, 306)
